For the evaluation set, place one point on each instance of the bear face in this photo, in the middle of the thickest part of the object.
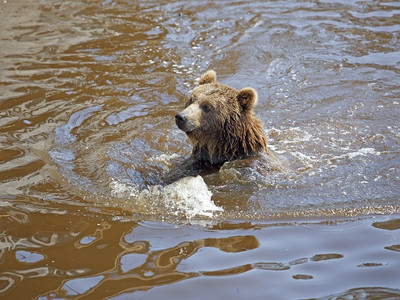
(220, 123)
(206, 110)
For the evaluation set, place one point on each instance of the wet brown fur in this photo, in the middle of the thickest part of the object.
(227, 128)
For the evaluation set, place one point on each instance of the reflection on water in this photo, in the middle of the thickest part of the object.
(122, 260)
(88, 95)
(93, 105)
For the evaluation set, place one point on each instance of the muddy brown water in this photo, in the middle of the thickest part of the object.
(89, 91)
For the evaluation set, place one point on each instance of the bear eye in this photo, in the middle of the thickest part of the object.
(205, 108)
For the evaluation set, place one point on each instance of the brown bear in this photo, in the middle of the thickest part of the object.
(222, 127)
(220, 122)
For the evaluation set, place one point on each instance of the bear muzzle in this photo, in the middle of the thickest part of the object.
(186, 122)
(181, 121)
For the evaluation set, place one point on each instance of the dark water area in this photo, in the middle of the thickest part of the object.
(89, 91)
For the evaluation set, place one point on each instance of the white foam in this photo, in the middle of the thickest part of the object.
(164, 158)
(307, 160)
(362, 152)
(290, 135)
(189, 196)
(121, 190)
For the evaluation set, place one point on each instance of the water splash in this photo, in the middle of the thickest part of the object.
(188, 196)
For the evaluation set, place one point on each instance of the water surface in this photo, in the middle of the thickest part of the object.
(88, 97)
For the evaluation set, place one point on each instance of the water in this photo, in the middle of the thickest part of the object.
(88, 97)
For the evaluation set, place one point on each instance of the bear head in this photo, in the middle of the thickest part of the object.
(220, 123)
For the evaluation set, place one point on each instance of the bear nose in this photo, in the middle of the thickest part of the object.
(180, 119)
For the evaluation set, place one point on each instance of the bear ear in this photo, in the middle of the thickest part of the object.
(247, 98)
(209, 77)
